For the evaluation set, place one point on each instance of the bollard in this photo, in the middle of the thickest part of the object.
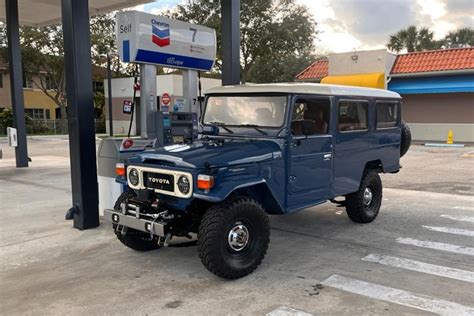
(450, 137)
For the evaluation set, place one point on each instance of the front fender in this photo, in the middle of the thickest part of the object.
(221, 191)
(256, 188)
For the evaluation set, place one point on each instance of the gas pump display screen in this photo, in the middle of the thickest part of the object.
(159, 181)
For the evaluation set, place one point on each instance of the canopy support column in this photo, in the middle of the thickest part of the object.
(82, 150)
(230, 22)
(16, 81)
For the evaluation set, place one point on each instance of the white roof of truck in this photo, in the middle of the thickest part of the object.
(301, 88)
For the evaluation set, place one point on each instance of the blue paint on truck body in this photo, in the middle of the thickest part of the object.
(285, 173)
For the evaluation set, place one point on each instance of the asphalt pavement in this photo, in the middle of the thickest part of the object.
(415, 258)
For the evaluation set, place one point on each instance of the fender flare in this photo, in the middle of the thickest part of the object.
(243, 186)
(211, 198)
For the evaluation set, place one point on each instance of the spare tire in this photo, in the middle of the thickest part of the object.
(405, 141)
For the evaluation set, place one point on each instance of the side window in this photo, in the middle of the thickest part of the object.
(27, 82)
(314, 111)
(352, 115)
(387, 114)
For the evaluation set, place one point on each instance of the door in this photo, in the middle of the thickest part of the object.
(311, 151)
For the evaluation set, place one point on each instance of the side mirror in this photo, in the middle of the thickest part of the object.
(308, 127)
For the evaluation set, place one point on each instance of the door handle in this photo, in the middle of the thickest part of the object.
(327, 156)
(296, 142)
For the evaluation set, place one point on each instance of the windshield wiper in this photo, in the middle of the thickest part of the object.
(256, 128)
(221, 124)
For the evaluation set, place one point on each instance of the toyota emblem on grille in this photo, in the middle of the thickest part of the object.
(159, 180)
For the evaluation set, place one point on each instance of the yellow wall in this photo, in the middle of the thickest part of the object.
(36, 99)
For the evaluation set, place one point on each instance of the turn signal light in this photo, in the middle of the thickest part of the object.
(120, 169)
(205, 182)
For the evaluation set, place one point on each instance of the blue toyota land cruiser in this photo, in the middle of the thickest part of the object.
(264, 149)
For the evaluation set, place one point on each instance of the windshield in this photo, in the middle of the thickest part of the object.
(263, 111)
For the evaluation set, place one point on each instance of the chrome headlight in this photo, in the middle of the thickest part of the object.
(133, 177)
(184, 185)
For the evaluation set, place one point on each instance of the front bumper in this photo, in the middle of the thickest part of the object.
(147, 226)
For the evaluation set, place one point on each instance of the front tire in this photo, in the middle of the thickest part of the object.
(233, 237)
(132, 238)
(363, 206)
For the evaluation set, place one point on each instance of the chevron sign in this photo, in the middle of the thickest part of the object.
(160, 33)
(146, 38)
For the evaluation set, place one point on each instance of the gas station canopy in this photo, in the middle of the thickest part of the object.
(74, 16)
(45, 12)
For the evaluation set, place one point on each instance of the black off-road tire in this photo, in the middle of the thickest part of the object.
(214, 248)
(405, 140)
(357, 208)
(135, 239)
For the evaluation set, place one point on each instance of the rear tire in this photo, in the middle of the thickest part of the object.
(133, 238)
(363, 206)
(233, 237)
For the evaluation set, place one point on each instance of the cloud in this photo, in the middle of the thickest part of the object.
(159, 7)
(371, 21)
(460, 13)
(346, 25)
(367, 24)
(459, 6)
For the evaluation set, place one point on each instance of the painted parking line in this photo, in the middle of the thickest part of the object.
(451, 230)
(459, 218)
(397, 296)
(423, 267)
(287, 311)
(437, 246)
(464, 208)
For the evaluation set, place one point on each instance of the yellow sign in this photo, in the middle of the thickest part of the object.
(374, 80)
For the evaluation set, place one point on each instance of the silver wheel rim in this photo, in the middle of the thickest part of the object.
(238, 237)
(367, 196)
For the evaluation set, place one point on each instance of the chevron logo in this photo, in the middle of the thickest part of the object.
(160, 33)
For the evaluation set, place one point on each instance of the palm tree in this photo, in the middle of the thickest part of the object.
(413, 39)
(463, 37)
(425, 40)
(405, 38)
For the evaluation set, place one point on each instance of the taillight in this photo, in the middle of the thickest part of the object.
(120, 169)
(205, 182)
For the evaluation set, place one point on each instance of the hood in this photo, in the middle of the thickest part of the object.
(212, 154)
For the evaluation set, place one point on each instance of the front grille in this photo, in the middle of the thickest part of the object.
(158, 181)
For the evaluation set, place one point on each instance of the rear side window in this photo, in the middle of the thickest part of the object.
(352, 115)
(387, 114)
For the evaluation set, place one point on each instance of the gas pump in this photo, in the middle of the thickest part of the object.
(149, 41)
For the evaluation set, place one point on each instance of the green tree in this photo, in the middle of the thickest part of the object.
(276, 36)
(413, 40)
(6, 120)
(43, 56)
(463, 37)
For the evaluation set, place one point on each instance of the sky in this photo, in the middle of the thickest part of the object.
(348, 25)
